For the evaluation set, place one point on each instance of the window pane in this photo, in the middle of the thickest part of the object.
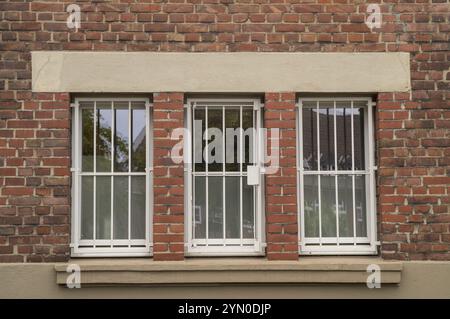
(121, 138)
(200, 207)
(232, 139)
(104, 124)
(120, 207)
(103, 207)
(345, 198)
(199, 142)
(247, 126)
(326, 125)
(233, 223)
(328, 205)
(248, 212)
(311, 203)
(87, 207)
(360, 204)
(358, 127)
(87, 131)
(138, 193)
(215, 144)
(344, 135)
(139, 140)
(309, 135)
(215, 207)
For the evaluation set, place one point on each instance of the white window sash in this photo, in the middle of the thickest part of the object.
(339, 245)
(110, 247)
(224, 246)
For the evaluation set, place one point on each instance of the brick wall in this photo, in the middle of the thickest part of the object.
(413, 129)
(35, 178)
(281, 186)
(413, 178)
(168, 179)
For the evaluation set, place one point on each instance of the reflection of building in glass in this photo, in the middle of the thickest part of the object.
(326, 133)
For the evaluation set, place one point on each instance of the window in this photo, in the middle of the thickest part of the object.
(111, 177)
(336, 176)
(224, 206)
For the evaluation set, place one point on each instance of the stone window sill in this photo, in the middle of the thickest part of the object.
(202, 271)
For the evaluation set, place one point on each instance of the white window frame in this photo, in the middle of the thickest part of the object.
(88, 248)
(333, 245)
(225, 247)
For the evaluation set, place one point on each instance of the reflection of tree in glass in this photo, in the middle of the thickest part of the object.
(103, 143)
(138, 152)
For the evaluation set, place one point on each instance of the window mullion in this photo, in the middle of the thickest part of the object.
(192, 202)
(148, 176)
(207, 177)
(224, 211)
(240, 175)
(94, 230)
(335, 170)
(372, 207)
(353, 171)
(113, 134)
(130, 147)
(319, 170)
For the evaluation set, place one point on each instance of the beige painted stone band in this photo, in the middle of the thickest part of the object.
(249, 72)
(148, 279)
(228, 271)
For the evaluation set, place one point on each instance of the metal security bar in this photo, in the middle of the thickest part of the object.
(112, 198)
(224, 228)
(336, 176)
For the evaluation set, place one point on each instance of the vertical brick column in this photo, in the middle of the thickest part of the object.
(281, 185)
(168, 181)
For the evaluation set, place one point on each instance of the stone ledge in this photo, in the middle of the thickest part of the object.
(308, 270)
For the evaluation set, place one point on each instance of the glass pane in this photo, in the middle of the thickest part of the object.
(311, 204)
(248, 213)
(215, 207)
(138, 192)
(358, 127)
(326, 128)
(104, 124)
(103, 207)
(121, 138)
(215, 137)
(233, 222)
(199, 142)
(344, 135)
(200, 207)
(360, 204)
(120, 207)
(139, 140)
(247, 126)
(87, 131)
(328, 205)
(232, 139)
(87, 207)
(345, 200)
(309, 122)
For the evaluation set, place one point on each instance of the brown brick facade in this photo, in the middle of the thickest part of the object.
(168, 181)
(281, 186)
(413, 129)
(35, 178)
(413, 177)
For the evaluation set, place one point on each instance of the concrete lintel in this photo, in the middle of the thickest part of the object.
(249, 72)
